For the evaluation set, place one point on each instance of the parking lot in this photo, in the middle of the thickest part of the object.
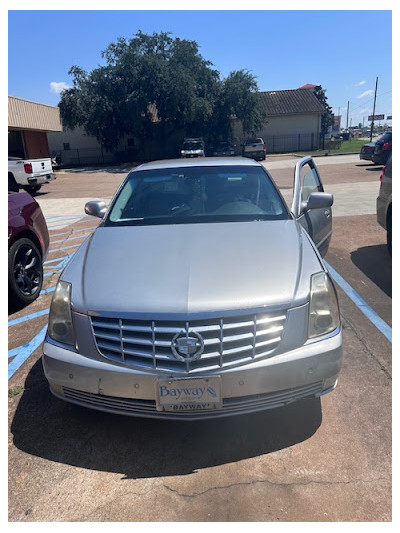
(326, 459)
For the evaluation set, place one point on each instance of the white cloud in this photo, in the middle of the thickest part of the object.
(58, 86)
(365, 93)
(361, 83)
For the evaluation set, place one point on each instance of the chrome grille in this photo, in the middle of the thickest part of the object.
(228, 341)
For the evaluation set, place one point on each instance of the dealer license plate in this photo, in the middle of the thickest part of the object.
(188, 394)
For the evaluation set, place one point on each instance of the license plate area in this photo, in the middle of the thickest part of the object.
(188, 394)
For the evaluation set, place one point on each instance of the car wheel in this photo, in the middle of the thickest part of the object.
(12, 184)
(389, 230)
(25, 272)
(32, 189)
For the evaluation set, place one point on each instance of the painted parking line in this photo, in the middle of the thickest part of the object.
(72, 231)
(28, 317)
(362, 305)
(22, 353)
(71, 238)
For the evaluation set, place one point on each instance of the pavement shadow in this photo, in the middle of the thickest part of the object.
(141, 448)
(95, 170)
(376, 263)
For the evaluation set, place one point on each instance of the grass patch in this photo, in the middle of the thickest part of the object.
(346, 147)
(15, 391)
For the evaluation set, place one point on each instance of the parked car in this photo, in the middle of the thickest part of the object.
(367, 151)
(224, 149)
(384, 202)
(382, 150)
(28, 243)
(199, 295)
(254, 148)
(193, 148)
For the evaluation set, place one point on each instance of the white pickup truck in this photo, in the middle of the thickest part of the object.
(254, 148)
(29, 174)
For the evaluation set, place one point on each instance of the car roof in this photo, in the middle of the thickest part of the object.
(200, 162)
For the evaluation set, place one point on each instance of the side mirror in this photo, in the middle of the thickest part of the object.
(317, 200)
(96, 208)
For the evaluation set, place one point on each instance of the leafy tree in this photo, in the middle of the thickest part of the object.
(327, 118)
(157, 74)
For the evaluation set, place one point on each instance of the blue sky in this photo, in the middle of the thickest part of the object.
(344, 51)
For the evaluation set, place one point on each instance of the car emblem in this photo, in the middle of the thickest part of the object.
(187, 346)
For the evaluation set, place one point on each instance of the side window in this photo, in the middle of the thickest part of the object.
(310, 182)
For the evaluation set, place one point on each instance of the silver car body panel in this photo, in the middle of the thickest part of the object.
(235, 275)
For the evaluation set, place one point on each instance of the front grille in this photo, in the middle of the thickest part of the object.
(228, 341)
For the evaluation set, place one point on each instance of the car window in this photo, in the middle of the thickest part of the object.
(192, 145)
(386, 137)
(310, 182)
(253, 141)
(197, 194)
(388, 168)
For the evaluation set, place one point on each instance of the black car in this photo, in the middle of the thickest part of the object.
(223, 149)
(367, 151)
(383, 149)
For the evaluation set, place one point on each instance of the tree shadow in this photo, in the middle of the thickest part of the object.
(140, 448)
(376, 263)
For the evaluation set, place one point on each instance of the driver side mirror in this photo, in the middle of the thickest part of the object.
(317, 200)
(96, 208)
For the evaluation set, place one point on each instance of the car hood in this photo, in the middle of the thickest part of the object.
(192, 268)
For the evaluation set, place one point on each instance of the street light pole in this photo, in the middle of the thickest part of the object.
(373, 112)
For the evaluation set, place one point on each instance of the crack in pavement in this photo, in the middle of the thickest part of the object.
(266, 481)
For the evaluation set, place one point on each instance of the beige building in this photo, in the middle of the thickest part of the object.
(28, 126)
(293, 121)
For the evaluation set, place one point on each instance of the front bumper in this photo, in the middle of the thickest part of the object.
(308, 371)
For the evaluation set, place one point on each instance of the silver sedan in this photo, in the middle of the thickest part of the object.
(199, 295)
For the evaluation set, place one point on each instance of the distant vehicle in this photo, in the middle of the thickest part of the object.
(29, 174)
(28, 243)
(193, 148)
(383, 149)
(367, 151)
(254, 148)
(384, 202)
(224, 149)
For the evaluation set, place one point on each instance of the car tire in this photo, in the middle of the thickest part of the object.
(25, 272)
(32, 189)
(12, 184)
(389, 230)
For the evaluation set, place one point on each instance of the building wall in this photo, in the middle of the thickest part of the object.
(286, 133)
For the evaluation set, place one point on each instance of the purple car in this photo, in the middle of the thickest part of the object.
(28, 243)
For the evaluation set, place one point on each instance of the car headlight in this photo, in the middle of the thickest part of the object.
(324, 308)
(60, 318)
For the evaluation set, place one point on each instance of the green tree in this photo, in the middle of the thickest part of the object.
(157, 74)
(327, 117)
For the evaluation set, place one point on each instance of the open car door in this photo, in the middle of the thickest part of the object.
(311, 205)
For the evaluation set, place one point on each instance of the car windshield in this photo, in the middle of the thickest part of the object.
(253, 141)
(386, 137)
(193, 145)
(196, 194)
(223, 145)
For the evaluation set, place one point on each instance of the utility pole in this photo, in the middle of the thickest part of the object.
(373, 112)
(347, 119)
